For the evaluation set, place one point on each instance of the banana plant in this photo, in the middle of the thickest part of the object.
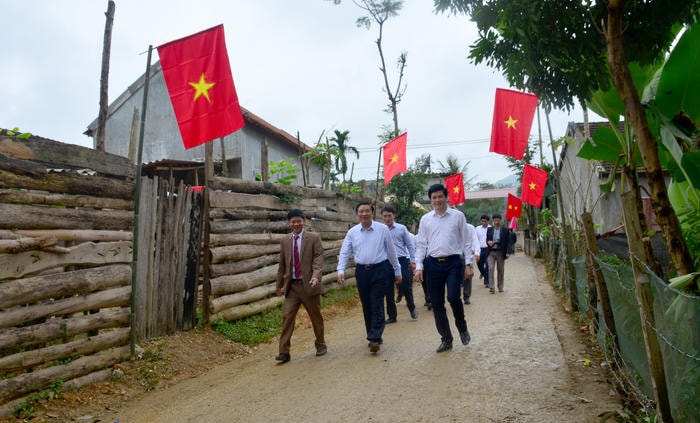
(669, 93)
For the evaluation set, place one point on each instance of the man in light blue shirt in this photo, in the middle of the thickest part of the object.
(406, 252)
(443, 243)
(372, 248)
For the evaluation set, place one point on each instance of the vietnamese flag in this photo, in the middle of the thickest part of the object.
(512, 120)
(514, 207)
(198, 76)
(455, 188)
(534, 181)
(394, 157)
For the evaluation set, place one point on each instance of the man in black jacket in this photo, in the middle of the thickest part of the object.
(500, 248)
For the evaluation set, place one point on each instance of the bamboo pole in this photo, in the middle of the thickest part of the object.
(646, 308)
(137, 203)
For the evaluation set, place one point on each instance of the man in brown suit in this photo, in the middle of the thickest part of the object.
(299, 280)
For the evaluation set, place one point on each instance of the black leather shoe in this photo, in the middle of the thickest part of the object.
(374, 347)
(444, 346)
(430, 306)
(414, 314)
(467, 300)
(390, 320)
(282, 358)
(399, 298)
(321, 351)
(464, 336)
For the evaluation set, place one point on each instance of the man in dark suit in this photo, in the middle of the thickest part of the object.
(299, 280)
(500, 248)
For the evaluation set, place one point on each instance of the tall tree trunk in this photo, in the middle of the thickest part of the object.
(622, 79)
(104, 78)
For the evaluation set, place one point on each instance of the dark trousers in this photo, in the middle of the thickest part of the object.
(406, 285)
(467, 288)
(405, 288)
(446, 274)
(483, 264)
(372, 285)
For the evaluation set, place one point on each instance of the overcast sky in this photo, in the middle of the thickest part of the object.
(302, 65)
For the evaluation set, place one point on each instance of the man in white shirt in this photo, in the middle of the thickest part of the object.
(444, 248)
(474, 248)
(372, 248)
(483, 262)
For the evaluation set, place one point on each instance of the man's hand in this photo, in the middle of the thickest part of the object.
(418, 276)
(341, 279)
(398, 279)
(413, 267)
(468, 272)
(313, 282)
(279, 292)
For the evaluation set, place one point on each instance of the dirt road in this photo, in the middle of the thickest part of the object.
(525, 363)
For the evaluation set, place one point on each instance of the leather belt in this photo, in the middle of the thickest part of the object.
(297, 280)
(444, 259)
(369, 266)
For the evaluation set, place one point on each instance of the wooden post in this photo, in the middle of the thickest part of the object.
(133, 136)
(645, 303)
(206, 253)
(598, 279)
(224, 165)
(263, 161)
(104, 78)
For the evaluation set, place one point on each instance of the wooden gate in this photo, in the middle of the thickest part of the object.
(167, 271)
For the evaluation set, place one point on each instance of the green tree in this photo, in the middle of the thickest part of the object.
(379, 12)
(322, 155)
(341, 149)
(406, 191)
(556, 49)
(452, 166)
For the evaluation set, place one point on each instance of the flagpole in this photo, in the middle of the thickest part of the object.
(137, 204)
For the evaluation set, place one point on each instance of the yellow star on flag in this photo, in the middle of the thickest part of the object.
(510, 123)
(202, 88)
(456, 190)
(533, 186)
(395, 158)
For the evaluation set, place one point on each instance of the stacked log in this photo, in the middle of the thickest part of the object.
(65, 254)
(247, 220)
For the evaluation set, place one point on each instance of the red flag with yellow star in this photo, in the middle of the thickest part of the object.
(394, 157)
(455, 189)
(514, 207)
(512, 120)
(198, 76)
(534, 181)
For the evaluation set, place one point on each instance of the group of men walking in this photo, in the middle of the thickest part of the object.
(441, 259)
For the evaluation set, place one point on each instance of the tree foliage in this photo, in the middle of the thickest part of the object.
(555, 48)
(407, 190)
(564, 50)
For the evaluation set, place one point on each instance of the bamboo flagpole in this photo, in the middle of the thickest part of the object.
(137, 204)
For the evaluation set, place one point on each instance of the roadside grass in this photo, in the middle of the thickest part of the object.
(262, 327)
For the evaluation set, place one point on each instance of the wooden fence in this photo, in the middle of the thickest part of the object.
(65, 252)
(66, 258)
(247, 219)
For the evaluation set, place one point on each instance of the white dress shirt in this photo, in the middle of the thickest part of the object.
(443, 235)
(481, 233)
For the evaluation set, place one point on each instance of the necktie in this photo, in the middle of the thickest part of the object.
(297, 266)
